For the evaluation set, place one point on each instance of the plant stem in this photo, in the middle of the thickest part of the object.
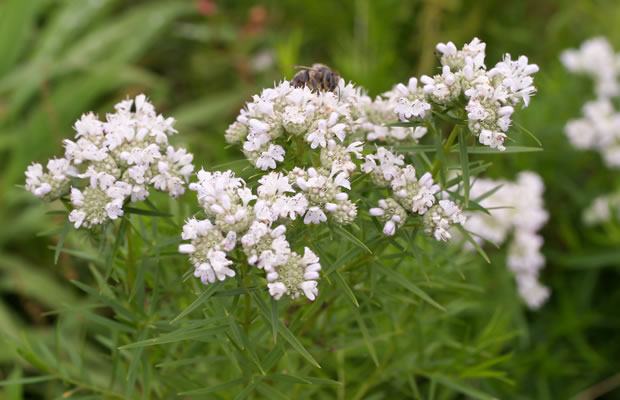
(446, 147)
(131, 270)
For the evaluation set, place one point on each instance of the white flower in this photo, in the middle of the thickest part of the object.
(277, 289)
(314, 215)
(325, 130)
(274, 184)
(493, 139)
(516, 77)
(532, 292)
(268, 158)
(411, 109)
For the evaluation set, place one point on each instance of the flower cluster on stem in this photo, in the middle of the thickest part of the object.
(112, 162)
(515, 208)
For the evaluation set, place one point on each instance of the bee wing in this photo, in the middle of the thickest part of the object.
(302, 67)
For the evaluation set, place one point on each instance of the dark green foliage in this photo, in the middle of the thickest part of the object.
(83, 317)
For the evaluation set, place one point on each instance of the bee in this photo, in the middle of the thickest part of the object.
(317, 77)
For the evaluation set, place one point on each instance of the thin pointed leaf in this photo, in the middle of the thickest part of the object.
(285, 332)
(215, 388)
(345, 287)
(204, 296)
(61, 240)
(274, 319)
(407, 284)
(366, 335)
(463, 388)
(350, 237)
(140, 211)
(527, 132)
(509, 149)
(471, 240)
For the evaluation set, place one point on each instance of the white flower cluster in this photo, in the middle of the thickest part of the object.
(603, 208)
(491, 95)
(517, 208)
(599, 129)
(238, 216)
(391, 107)
(597, 59)
(117, 160)
(316, 117)
(409, 195)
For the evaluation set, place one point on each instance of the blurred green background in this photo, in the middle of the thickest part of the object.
(199, 61)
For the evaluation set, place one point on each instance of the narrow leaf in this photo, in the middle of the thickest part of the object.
(345, 287)
(204, 296)
(407, 284)
(215, 388)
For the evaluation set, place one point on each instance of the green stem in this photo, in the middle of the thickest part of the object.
(248, 305)
(446, 147)
(131, 270)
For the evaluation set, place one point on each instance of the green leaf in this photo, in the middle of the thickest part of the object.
(287, 379)
(527, 132)
(61, 240)
(246, 392)
(285, 332)
(140, 211)
(463, 388)
(407, 284)
(204, 296)
(473, 242)
(419, 148)
(365, 335)
(489, 193)
(449, 118)
(215, 388)
(106, 322)
(270, 393)
(17, 20)
(350, 237)
(134, 361)
(345, 287)
(320, 381)
(274, 319)
(464, 166)
(110, 302)
(247, 344)
(28, 380)
(180, 335)
(509, 149)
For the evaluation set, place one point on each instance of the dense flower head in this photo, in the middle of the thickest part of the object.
(112, 162)
(491, 95)
(286, 111)
(597, 59)
(599, 129)
(517, 212)
(253, 221)
(410, 194)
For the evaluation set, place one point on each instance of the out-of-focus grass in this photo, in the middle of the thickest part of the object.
(62, 58)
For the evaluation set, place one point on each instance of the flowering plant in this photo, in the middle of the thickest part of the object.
(599, 128)
(341, 189)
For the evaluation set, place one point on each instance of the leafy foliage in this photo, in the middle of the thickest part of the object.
(421, 321)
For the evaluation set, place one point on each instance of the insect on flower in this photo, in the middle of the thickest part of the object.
(318, 77)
